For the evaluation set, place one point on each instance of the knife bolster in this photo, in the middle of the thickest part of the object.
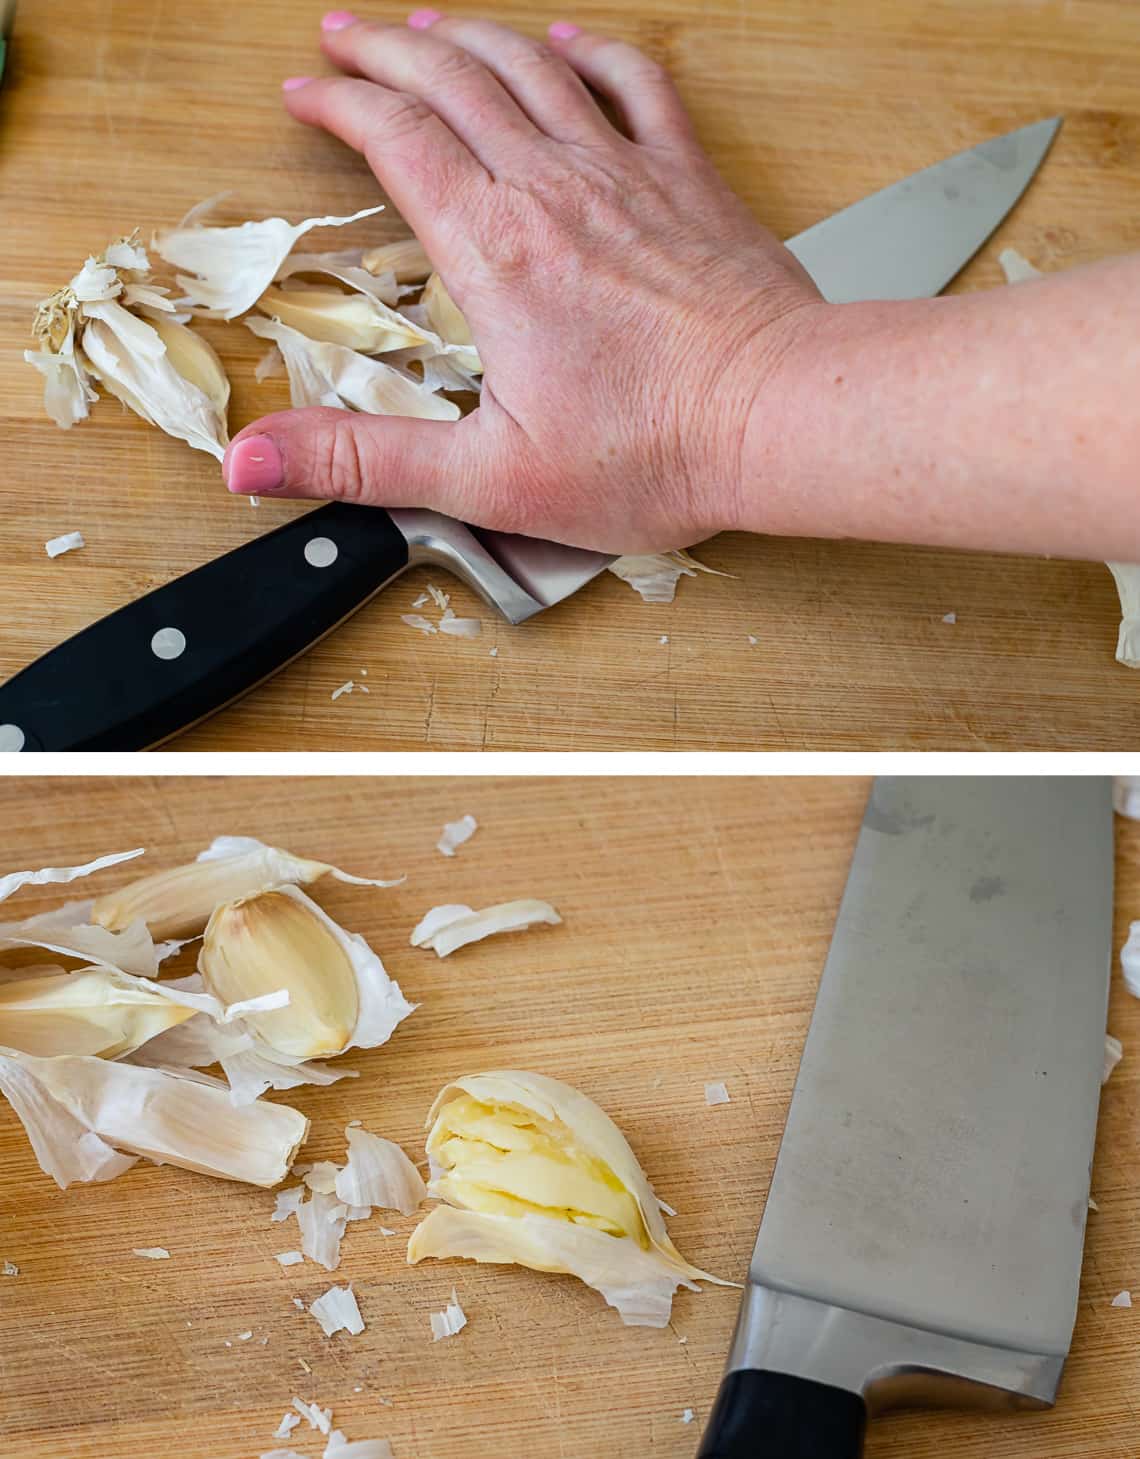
(887, 1364)
(439, 541)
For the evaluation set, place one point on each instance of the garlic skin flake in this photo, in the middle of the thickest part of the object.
(533, 1172)
(405, 259)
(455, 833)
(81, 1112)
(654, 575)
(178, 902)
(69, 931)
(54, 875)
(69, 542)
(336, 1311)
(341, 997)
(448, 928)
(378, 1173)
(451, 1320)
(226, 270)
(1126, 796)
(1126, 576)
(1113, 1053)
(1130, 960)
(333, 375)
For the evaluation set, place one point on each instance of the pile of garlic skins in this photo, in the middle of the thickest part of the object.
(329, 317)
(103, 1065)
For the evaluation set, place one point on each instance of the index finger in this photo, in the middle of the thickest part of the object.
(423, 166)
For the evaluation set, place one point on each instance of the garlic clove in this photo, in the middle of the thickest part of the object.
(357, 321)
(405, 258)
(340, 996)
(81, 1112)
(178, 902)
(449, 322)
(95, 1011)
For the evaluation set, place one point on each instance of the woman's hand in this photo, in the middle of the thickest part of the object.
(628, 309)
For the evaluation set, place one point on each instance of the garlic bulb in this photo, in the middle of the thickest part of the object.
(340, 996)
(178, 902)
(111, 325)
(533, 1172)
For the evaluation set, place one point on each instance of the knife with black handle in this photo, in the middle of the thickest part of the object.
(188, 649)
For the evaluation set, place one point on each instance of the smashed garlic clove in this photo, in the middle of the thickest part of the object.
(56, 875)
(378, 1173)
(337, 1311)
(405, 258)
(178, 902)
(226, 270)
(533, 1172)
(81, 1112)
(333, 375)
(448, 928)
(359, 321)
(449, 322)
(95, 1011)
(341, 997)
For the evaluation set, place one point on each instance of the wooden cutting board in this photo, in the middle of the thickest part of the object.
(125, 115)
(697, 918)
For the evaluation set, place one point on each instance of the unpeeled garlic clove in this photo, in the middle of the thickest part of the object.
(405, 259)
(449, 322)
(339, 993)
(178, 902)
(95, 1011)
(357, 321)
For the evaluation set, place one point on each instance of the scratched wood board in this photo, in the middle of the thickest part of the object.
(113, 116)
(697, 918)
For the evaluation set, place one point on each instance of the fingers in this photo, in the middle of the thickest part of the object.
(422, 164)
(541, 82)
(450, 80)
(639, 88)
(389, 461)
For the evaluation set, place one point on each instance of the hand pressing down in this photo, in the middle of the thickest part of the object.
(628, 309)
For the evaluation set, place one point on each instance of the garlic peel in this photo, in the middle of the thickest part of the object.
(226, 270)
(446, 929)
(54, 875)
(378, 1173)
(81, 1112)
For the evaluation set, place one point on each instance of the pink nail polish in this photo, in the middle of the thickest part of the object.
(338, 20)
(294, 83)
(423, 19)
(564, 30)
(253, 466)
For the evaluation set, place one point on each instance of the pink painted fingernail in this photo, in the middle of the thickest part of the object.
(564, 30)
(253, 466)
(338, 20)
(423, 19)
(294, 83)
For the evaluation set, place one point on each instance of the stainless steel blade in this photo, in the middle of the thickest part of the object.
(909, 240)
(934, 1171)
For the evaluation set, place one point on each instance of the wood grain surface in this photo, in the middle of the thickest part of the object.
(697, 918)
(120, 114)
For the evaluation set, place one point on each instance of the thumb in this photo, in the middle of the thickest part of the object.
(377, 460)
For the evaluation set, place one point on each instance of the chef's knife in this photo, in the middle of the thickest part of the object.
(921, 1242)
(187, 649)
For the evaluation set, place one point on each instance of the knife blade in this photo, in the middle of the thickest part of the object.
(921, 1242)
(184, 651)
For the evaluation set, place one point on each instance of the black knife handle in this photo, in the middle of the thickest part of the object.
(184, 651)
(762, 1415)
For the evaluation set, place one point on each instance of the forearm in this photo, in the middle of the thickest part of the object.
(1005, 420)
